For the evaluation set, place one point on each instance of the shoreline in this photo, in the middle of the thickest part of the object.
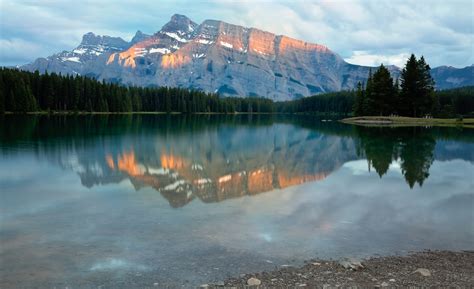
(171, 112)
(397, 121)
(136, 113)
(420, 269)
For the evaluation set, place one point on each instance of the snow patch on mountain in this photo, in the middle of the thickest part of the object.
(226, 44)
(160, 50)
(204, 41)
(72, 59)
(175, 36)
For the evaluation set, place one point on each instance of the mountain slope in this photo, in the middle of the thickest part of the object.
(449, 77)
(214, 56)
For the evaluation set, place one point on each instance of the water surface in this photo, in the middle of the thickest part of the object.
(130, 201)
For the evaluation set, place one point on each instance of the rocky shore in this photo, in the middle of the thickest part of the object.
(432, 269)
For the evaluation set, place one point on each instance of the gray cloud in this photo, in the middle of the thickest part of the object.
(362, 32)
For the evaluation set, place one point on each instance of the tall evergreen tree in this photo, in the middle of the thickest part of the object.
(2, 95)
(368, 105)
(417, 88)
(426, 99)
(382, 95)
(358, 107)
(2, 101)
(409, 87)
(396, 97)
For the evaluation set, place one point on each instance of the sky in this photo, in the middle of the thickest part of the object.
(363, 32)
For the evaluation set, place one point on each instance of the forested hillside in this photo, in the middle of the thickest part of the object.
(22, 92)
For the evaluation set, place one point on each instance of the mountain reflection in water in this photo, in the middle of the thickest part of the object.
(126, 201)
(180, 180)
(215, 158)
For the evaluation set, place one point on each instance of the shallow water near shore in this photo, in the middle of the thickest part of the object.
(125, 201)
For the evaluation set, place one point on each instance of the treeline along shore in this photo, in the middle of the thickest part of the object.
(412, 95)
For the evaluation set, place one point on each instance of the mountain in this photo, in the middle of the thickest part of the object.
(139, 36)
(213, 56)
(85, 59)
(450, 77)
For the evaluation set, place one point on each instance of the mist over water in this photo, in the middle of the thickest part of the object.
(126, 201)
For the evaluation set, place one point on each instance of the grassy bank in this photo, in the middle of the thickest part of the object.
(408, 121)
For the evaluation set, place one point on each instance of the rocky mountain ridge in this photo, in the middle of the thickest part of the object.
(215, 56)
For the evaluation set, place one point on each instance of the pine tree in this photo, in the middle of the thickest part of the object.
(136, 101)
(358, 107)
(20, 96)
(168, 101)
(2, 95)
(368, 104)
(396, 97)
(10, 101)
(409, 87)
(417, 88)
(2, 101)
(426, 99)
(382, 92)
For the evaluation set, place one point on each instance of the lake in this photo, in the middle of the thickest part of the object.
(123, 201)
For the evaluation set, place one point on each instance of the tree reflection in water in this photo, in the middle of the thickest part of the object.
(413, 147)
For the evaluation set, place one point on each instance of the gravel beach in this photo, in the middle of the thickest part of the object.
(424, 269)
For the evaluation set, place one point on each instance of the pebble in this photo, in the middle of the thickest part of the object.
(352, 264)
(333, 275)
(253, 282)
(327, 272)
(155, 284)
(316, 264)
(423, 272)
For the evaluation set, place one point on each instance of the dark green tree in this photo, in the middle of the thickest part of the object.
(359, 101)
(382, 93)
(417, 96)
(2, 95)
(425, 101)
(368, 105)
(409, 87)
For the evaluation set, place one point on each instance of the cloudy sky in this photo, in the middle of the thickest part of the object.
(361, 31)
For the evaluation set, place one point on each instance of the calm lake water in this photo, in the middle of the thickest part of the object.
(129, 201)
